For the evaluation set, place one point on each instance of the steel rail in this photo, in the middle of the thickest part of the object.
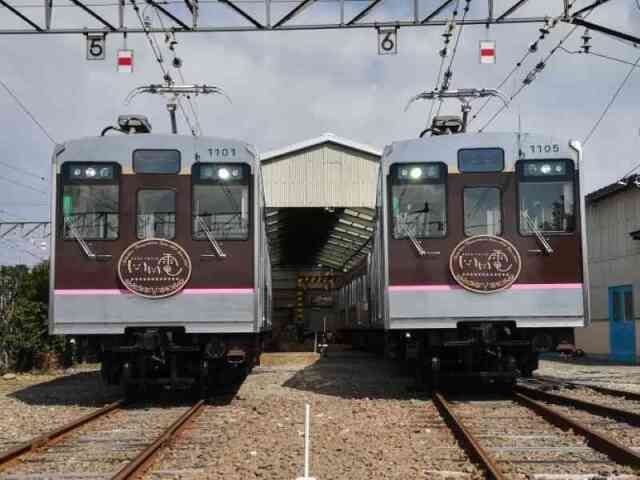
(46, 439)
(632, 418)
(141, 463)
(598, 441)
(471, 443)
(607, 391)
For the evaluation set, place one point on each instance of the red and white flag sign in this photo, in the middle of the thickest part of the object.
(125, 61)
(487, 51)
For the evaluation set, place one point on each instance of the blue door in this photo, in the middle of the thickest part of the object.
(622, 331)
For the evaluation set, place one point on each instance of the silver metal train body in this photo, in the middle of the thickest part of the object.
(160, 255)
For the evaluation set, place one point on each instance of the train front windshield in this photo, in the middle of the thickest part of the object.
(220, 201)
(418, 200)
(90, 201)
(546, 196)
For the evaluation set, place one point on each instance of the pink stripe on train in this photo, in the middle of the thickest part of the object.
(186, 291)
(517, 286)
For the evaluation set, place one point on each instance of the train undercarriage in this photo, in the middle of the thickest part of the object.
(480, 352)
(146, 359)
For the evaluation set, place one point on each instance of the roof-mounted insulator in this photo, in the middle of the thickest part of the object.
(586, 41)
(546, 28)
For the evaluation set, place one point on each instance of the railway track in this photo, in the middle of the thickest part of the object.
(102, 444)
(520, 437)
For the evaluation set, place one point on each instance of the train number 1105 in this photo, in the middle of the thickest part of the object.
(546, 148)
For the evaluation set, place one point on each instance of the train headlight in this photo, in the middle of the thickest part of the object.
(415, 173)
(76, 172)
(545, 169)
(90, 172)
(105, 172)
(224, 174)
(235, 172)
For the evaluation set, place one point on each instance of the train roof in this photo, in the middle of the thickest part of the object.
(444, 148)
(120, 148)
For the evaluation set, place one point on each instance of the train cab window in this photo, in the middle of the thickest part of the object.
(220, 201)
(482, 212)
(546, 196)
(90, 201)
(156, 215)
(156, 161)
(418, 200)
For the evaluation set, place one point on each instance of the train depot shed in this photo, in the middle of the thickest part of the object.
(320, 198)
(613, 229)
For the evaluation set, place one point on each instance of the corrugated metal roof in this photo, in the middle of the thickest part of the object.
(632, 181)
(322, 139)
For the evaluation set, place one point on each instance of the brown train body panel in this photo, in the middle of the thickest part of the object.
(235, 271)
(563, 266)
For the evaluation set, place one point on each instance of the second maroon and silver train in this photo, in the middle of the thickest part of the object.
(479, 256)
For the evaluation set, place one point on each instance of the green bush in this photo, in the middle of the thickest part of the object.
(24, 299)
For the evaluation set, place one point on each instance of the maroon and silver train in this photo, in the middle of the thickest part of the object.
(160, 255)
(479, 256)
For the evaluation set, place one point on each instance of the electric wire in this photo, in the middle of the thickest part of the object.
(448, 74)
(27, 111)
(597, 54)
(22, 170)
(443, 56)
(23, 185)
(533, 48)
(530, 78)
(171, 35)
(611, 102)
(155, 48)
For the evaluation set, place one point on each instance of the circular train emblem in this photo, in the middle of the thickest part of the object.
(154, 268)
(485, 264)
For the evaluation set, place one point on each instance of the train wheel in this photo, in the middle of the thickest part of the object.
(130, 389)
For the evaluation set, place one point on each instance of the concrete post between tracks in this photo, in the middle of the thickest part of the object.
(307, 443)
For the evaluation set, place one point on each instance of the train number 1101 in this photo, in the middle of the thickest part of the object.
(546, 148)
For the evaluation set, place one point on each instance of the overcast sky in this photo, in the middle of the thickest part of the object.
(290, 86)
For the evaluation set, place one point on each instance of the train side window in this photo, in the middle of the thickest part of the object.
(546, 196)
(156, 213)
(418, 200)
(90, 201)
(220, 201)
(482, 211)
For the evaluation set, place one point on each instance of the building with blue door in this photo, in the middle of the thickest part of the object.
(613, 232)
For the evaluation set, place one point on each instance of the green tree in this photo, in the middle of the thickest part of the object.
(24, 299)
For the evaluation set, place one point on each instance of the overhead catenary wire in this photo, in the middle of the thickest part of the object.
(530, 77)
(22, 170)
(27, 111)
(533, 47)
(177, 65)
(611, 102)
(23, 185)
(155, 48)
(448, 74)
(443, 56)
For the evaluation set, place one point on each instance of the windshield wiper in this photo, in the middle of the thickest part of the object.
(543, 241)
(417, 245)
(101, 257)
(212, 240)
